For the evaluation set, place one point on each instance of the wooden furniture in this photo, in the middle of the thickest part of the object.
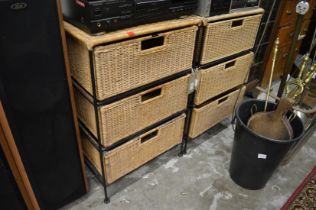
(306, 44)
(284, 29)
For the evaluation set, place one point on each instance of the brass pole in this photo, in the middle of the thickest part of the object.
(275, 53)
(290, 57)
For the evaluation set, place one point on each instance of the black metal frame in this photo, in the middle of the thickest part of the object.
(185, 138)
(95, 106)
(190, 104)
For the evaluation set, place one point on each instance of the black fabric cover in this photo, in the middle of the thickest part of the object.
(35, 95)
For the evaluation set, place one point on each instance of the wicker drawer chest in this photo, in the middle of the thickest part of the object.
(131, 91)
(225, 57)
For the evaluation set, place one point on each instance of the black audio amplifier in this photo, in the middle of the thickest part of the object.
(108, 15)
(208, 8)
(241, 4)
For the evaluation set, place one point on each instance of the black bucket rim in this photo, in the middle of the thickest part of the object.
(263, 137)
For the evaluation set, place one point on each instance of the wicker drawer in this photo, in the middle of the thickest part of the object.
(126, 65)
(134, 113)
(228, 37)
(131, 155)
(207, 116)
(222, 77)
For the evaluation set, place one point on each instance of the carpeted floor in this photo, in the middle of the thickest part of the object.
(304, 197)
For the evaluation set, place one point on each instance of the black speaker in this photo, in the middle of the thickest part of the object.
(34, 91)
(10, 196)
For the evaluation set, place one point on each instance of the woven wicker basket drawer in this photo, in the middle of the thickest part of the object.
(210, 114)
(129, 156)
(134, 113)
(222, 77)
(126, 65)
(229, 37)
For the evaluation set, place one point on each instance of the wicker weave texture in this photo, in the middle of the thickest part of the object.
(229, 37)
(90, 151)
(85, 111)
(131, 155)
(129, 115)
(222, 77)
(123, 66)
(209, 115)
(79, 63)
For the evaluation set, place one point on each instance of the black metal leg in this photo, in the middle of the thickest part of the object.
(95, 104)
(184, 141)
(190, 105)
(181, 148)
(195, 64)
(100, 178)
(106, 197)
(185, 145)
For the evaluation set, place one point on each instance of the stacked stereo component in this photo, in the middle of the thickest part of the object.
(224, 62)
(103, 15)
(131, 92)
(207, 8)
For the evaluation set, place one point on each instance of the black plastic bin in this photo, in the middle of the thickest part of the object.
(254, 158)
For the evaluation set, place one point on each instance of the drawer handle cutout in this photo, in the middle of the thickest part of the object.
(237, 23)
(151, 95)
(152, 43)
(222, 100)
(230, 64)
(149, 136)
